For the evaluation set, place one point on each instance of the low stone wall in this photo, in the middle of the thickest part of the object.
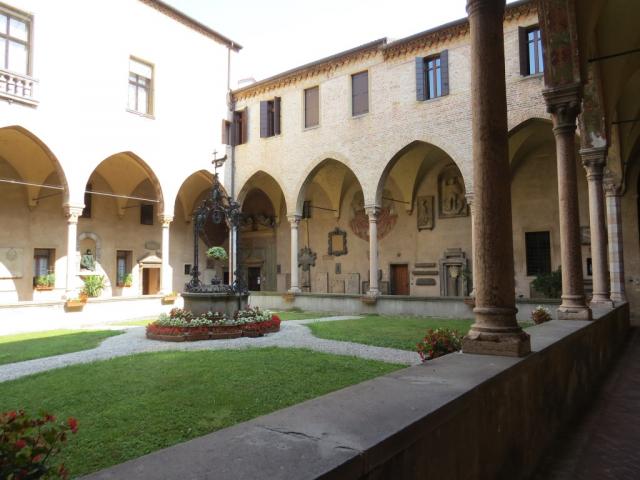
(446, 307)
(32, 316)
(459, 416)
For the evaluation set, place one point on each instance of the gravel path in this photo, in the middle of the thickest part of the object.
(292, 334)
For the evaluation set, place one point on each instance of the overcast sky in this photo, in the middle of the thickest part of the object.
(281, 34)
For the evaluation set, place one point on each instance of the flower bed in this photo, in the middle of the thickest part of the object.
(181, 325)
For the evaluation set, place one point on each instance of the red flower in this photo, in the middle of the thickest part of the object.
(20, 444)
(73, 424)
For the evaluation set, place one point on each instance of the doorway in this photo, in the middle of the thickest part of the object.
(253, 280)
(399, 279)
(150, 281)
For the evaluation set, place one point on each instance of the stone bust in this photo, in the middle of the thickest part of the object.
(88, 261)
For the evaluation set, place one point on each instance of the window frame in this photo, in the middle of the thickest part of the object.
(304, 106)
(127, 255)
(150, 113)
(538, 49)
(28, 20)
(143, 216)
(437, 68)
(50, 255)
(352, 77)
(528, 268)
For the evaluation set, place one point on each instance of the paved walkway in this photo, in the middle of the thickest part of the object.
(293, 334)
(605, 445)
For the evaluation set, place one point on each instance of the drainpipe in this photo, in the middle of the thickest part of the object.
(233, 262)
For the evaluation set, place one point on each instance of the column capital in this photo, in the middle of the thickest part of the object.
(294, 220)
(594, 161)
(563, 103)
(165, 219)
(373, 211)
(474, 6)
(611, 188)
(72, 212)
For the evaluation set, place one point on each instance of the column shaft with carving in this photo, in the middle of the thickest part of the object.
(72, 212)
(613, 194)
(294, 221)
(166, 274)
(374, 288)
(594, 160)
(495, 330)
(563, 103)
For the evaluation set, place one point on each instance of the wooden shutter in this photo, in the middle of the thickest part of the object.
(444, 71)
(524, 51)
(276, 116)
(311, 107)
(264, 119)
(245, 125)
(225, 132)
(360, 93)
(420, 94)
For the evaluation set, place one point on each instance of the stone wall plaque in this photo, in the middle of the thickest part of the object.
(425, 273)
(337, 285)
(320, 282)
(425, 265)
(11, 262)
(152, 245)
(352, 283)
(426, 282)
(425, 215)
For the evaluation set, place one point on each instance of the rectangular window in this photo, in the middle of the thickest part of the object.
(44, 260)
(15, 41)
(270, 118)
(360, 93)
(146, 214)
(123, 268)
(432, 76)
(531, 54)
(140, 87)
(86, 211)
(187, 269)
(239, 127)
(538, 247)
(311, 107)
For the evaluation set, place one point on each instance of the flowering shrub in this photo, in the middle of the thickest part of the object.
(217, 253)
(439, 342)
(26, 444)
(540, 314)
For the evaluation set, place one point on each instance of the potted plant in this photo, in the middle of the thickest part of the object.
(45, 282)
(540, 315)
(170, 298)
(217, 253)
(126, 280)
(93, 285)
(74, 303)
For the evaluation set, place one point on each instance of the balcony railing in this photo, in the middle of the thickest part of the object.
(16, 87)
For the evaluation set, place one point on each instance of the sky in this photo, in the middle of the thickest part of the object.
(278, 35)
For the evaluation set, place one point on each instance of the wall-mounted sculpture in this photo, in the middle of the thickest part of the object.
(451, 199)
(425, 215)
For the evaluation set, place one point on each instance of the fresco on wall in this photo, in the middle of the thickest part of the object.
(360, 220)
(425, 212)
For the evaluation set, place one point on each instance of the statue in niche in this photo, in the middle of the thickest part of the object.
(88, 261)
(452, 202)
(360, 220)
(425, 212)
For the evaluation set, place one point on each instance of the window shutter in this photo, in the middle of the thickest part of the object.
(245, 121)
(225, 132)
(444, 71)
(264, 119)
(524, 51)
(420, 79)
(276, 116)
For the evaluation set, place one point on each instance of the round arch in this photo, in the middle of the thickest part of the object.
(18, 143)
(269, 185)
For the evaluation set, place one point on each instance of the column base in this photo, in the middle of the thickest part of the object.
(503, 344)
(374, 292)
(617, 299)
(601, 301)
(294, 290)
(573, 307)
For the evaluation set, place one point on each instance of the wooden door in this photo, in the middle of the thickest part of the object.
(400, 279)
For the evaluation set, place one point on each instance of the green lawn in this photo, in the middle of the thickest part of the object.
(383, 331)
(130, 406)
(27, 346)
(300, 315)
(134, 323)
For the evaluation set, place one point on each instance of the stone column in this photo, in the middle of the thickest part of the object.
(469, 197)
(374, 288)
(294, 220)
(495, 330)
(594, 160)
(613, 193)
(166, 275)
(72, 212)
(563, 103)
